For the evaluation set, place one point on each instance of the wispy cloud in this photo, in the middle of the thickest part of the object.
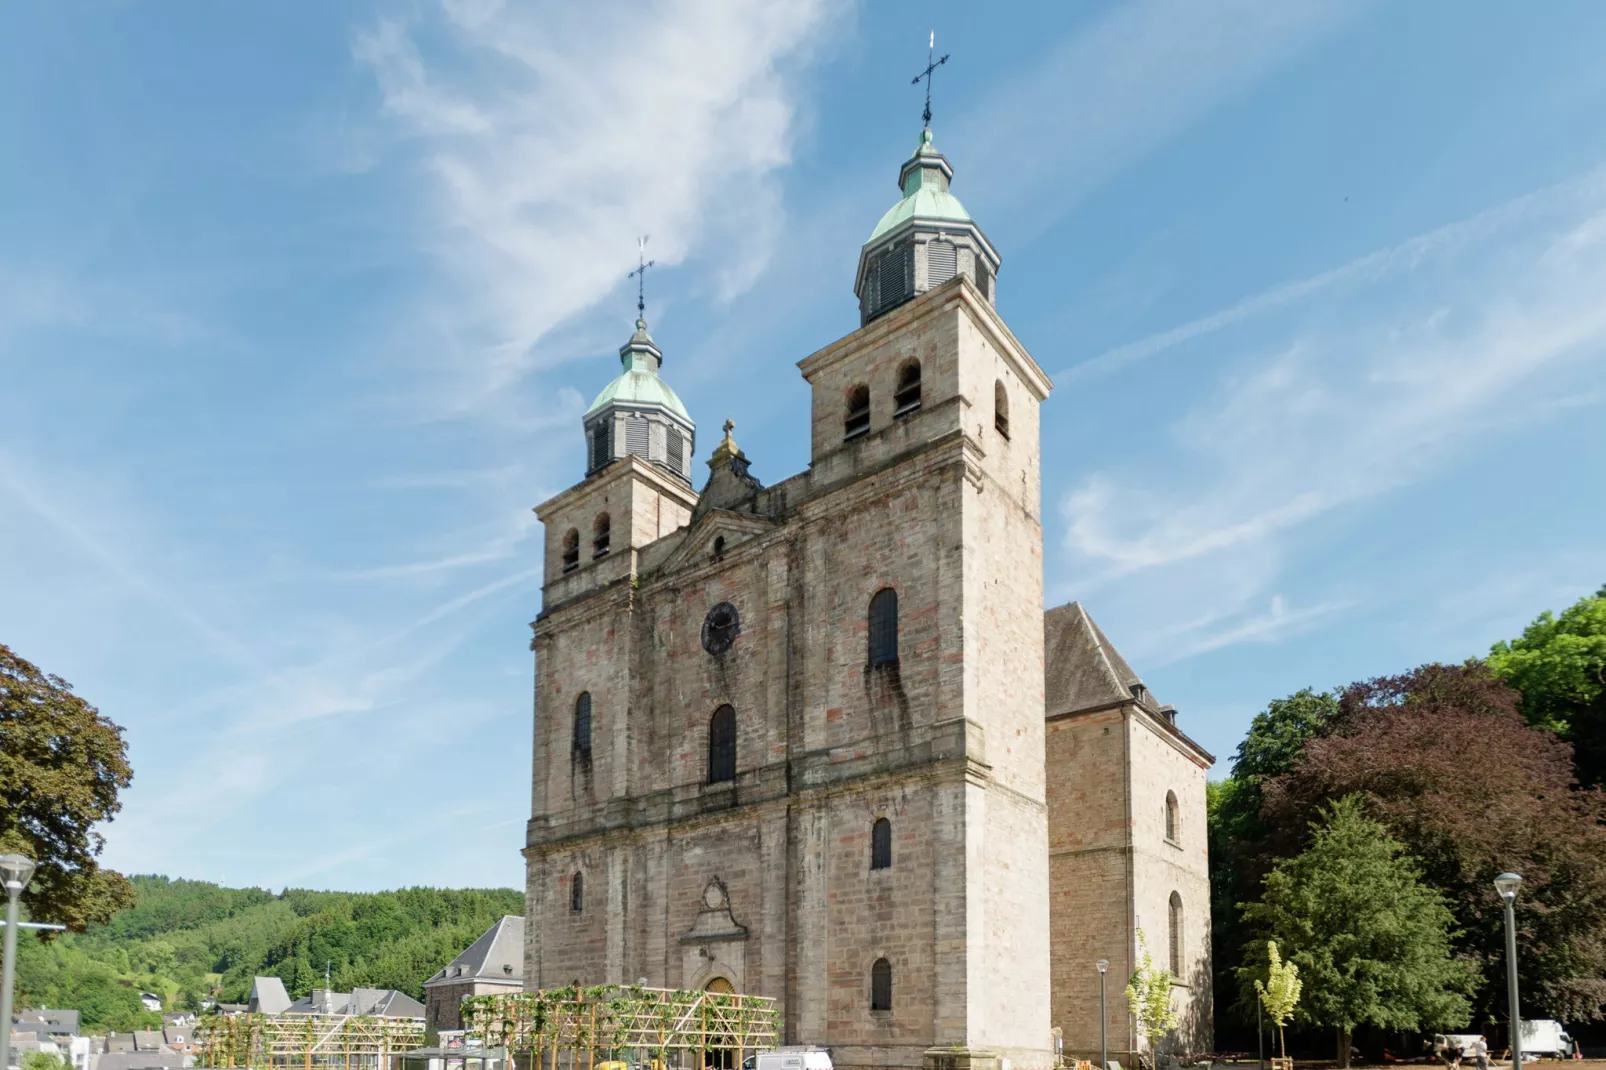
(1333, 391)
(553, 134)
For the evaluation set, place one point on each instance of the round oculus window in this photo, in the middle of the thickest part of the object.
(720, 628)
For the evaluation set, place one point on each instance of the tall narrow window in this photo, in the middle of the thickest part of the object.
(601, 537)
(1171, 816)
(907, 398)
(582, 726)
(601, 444)
(1001, 408)
(1176, 936)
(884, 627)
(722, 746)
(857, 420)
(571, 550)
(881, 985)
(577, 893)
(881, 844)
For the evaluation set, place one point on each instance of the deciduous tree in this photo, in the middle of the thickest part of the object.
(1370, 939)
(62, 765)
(1148, 994)
(1449, 765)
(1559, 666)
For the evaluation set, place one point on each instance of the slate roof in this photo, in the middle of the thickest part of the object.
(54, 1023)
(497, 956)
(268, 996)
(149, 1040)
(1082, 668)
(372, 1002)
(140, 1060)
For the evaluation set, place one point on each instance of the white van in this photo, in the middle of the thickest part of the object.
(1546, 1037)
(798, 1057)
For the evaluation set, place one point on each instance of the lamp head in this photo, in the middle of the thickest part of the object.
(1104, 965)
(15, 871)
(1507, 884)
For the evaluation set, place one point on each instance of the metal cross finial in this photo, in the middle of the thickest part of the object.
(932, 63)
(730, 425)
(640, 275)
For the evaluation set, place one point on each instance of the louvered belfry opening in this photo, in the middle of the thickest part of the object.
(884, 628)
(571, 550)
(602, 538)
(638, 436)
(675, 452)
(942, 262)
(601, 445)
(907, 399)
(856, 421)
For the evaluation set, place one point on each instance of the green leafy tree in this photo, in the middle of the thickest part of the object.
(1370, 939)
(43, 1060)
(1279, 994)
(1275, 742)
(62, 765)
(1148, 993)
(1559, 666)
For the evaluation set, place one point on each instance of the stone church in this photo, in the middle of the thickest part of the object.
(819, 740)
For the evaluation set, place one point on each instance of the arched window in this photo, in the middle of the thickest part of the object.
(884, 628)
(719, 548)
(571, 550)
(722, 746)
(1001, 408)
(1171, 816)
(601, 536)
(577, 893)
(881, 985)
(857, 420)
(881, 844)
(1176, 935)
(907, 398)
(582, 725)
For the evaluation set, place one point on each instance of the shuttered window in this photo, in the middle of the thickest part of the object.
(637, 437)
(942, 261)
(601, 445)
(857, 420)
(675, 450)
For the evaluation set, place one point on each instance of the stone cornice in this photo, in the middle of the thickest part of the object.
(620, 470)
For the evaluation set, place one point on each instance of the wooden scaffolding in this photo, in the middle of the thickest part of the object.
(648, 1028)
(306, 1041)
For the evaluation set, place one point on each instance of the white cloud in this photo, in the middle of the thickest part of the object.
(553, 134)
(1337, 390)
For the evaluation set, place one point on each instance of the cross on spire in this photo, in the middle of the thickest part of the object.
(640, 274)
(932, 63)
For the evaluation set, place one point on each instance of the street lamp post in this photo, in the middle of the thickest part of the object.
(1507, 884)
(15, 871)
(1104, 1018)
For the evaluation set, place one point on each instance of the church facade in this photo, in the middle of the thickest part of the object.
(799, 740)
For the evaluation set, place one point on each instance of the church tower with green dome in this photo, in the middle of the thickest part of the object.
(638, 415)
(923, 241)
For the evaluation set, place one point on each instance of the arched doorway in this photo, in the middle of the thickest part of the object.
(719, 1056)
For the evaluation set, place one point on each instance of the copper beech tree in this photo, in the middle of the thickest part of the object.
(61, 766)
(1442, 757)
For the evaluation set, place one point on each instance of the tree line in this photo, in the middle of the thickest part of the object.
(1361, 830)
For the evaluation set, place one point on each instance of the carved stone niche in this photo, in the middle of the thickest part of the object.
(715, 946)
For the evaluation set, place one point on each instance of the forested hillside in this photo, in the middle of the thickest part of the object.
(191, 940)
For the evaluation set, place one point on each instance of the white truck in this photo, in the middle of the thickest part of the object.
(1545, 1036)
(790, 1057)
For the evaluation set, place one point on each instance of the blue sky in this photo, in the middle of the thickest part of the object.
(300, 306)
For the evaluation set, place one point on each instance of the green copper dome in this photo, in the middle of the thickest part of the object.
(639, 383)
(924, 181)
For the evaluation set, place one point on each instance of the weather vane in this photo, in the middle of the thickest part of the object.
(640, 274)
(932, 63)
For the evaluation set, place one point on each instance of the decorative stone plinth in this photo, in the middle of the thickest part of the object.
(960, 1059)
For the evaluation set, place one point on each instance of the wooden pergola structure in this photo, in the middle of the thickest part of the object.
(653, 1028)
(306, 1041)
